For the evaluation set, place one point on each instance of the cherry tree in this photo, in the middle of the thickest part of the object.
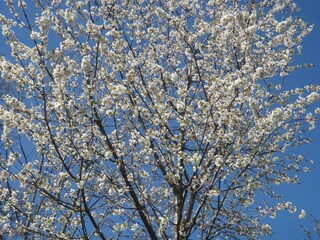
(150, 119)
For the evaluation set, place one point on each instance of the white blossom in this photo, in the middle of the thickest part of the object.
(302, 214)
(313, 97)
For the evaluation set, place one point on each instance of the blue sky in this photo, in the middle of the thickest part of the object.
(306, 195)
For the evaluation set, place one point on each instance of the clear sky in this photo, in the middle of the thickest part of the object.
(306, 195)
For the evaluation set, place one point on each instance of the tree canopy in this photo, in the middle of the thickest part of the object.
(150, 119)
